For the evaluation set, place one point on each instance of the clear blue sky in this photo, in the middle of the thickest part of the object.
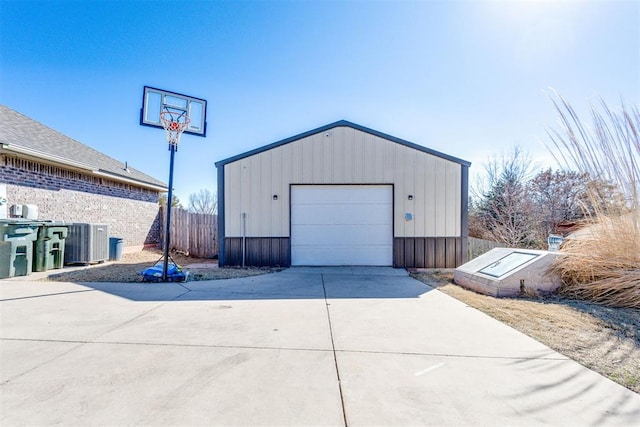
(464, 78)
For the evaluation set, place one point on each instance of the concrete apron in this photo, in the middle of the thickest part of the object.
(307, 346)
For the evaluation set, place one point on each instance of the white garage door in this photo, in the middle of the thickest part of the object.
(341, 225)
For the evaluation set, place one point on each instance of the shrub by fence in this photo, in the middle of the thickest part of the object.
(193, 233)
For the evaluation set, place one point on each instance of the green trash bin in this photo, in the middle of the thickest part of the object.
(41, 249)
(16, 247)
(49, 246)
(57, 235)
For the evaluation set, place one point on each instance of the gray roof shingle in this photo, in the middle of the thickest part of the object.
(23, 133)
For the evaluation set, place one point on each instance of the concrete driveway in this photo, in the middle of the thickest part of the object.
(307, 346)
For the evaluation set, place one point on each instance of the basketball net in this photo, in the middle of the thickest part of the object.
(174, 124)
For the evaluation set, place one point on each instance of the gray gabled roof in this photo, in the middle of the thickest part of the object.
(23, 135)
(343, 123)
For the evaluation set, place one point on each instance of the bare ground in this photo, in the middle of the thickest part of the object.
(129, 269)
(604, 339)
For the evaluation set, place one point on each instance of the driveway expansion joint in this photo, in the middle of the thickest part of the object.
(47, 295)
(333, 347)
(186, 345)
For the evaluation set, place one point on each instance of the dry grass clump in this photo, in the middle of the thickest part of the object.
(601, 263)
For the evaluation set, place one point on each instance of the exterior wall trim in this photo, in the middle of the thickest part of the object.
(221, 223)
(464, 212)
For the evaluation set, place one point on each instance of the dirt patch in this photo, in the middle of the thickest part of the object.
(604, 339)
(129, 269)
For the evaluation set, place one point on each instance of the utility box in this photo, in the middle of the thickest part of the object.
(86, 244)
(16, 247)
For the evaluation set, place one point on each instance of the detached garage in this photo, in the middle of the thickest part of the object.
(343, 194)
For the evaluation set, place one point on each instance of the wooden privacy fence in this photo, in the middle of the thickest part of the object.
(477, 247)
(193, 233)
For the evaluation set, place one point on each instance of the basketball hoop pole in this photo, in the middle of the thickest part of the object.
(165, 255)
(174, 123)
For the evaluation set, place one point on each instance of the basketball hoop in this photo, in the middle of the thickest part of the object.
(178, 113)
(174, 124)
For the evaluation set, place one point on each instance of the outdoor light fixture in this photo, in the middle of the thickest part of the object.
(275, 197)
(410, 197)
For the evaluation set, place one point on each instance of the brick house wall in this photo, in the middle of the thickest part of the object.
(66, 195)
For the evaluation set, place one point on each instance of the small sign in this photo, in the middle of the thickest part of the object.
(554, 241)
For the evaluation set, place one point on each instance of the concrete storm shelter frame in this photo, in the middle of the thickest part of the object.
(343, 194)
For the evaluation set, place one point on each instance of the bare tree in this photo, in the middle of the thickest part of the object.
(557, 197)
(204, 201)
(562, 196)
(502, 206)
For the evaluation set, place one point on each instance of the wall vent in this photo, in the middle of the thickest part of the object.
(86, 244)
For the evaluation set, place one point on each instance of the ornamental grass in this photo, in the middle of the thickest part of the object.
(601, 262)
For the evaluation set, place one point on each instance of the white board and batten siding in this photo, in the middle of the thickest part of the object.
(343, 156)
(342, 225)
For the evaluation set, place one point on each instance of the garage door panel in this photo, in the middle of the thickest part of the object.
(342, 225)
(338, 194)
(343, 256)
(343, 214)
(340, 235)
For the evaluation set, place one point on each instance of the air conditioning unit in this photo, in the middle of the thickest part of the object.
(86, 244)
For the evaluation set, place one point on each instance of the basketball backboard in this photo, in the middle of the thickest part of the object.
(157, 101)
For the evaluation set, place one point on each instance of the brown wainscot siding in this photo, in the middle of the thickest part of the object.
(429, 252)
(259, 251)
